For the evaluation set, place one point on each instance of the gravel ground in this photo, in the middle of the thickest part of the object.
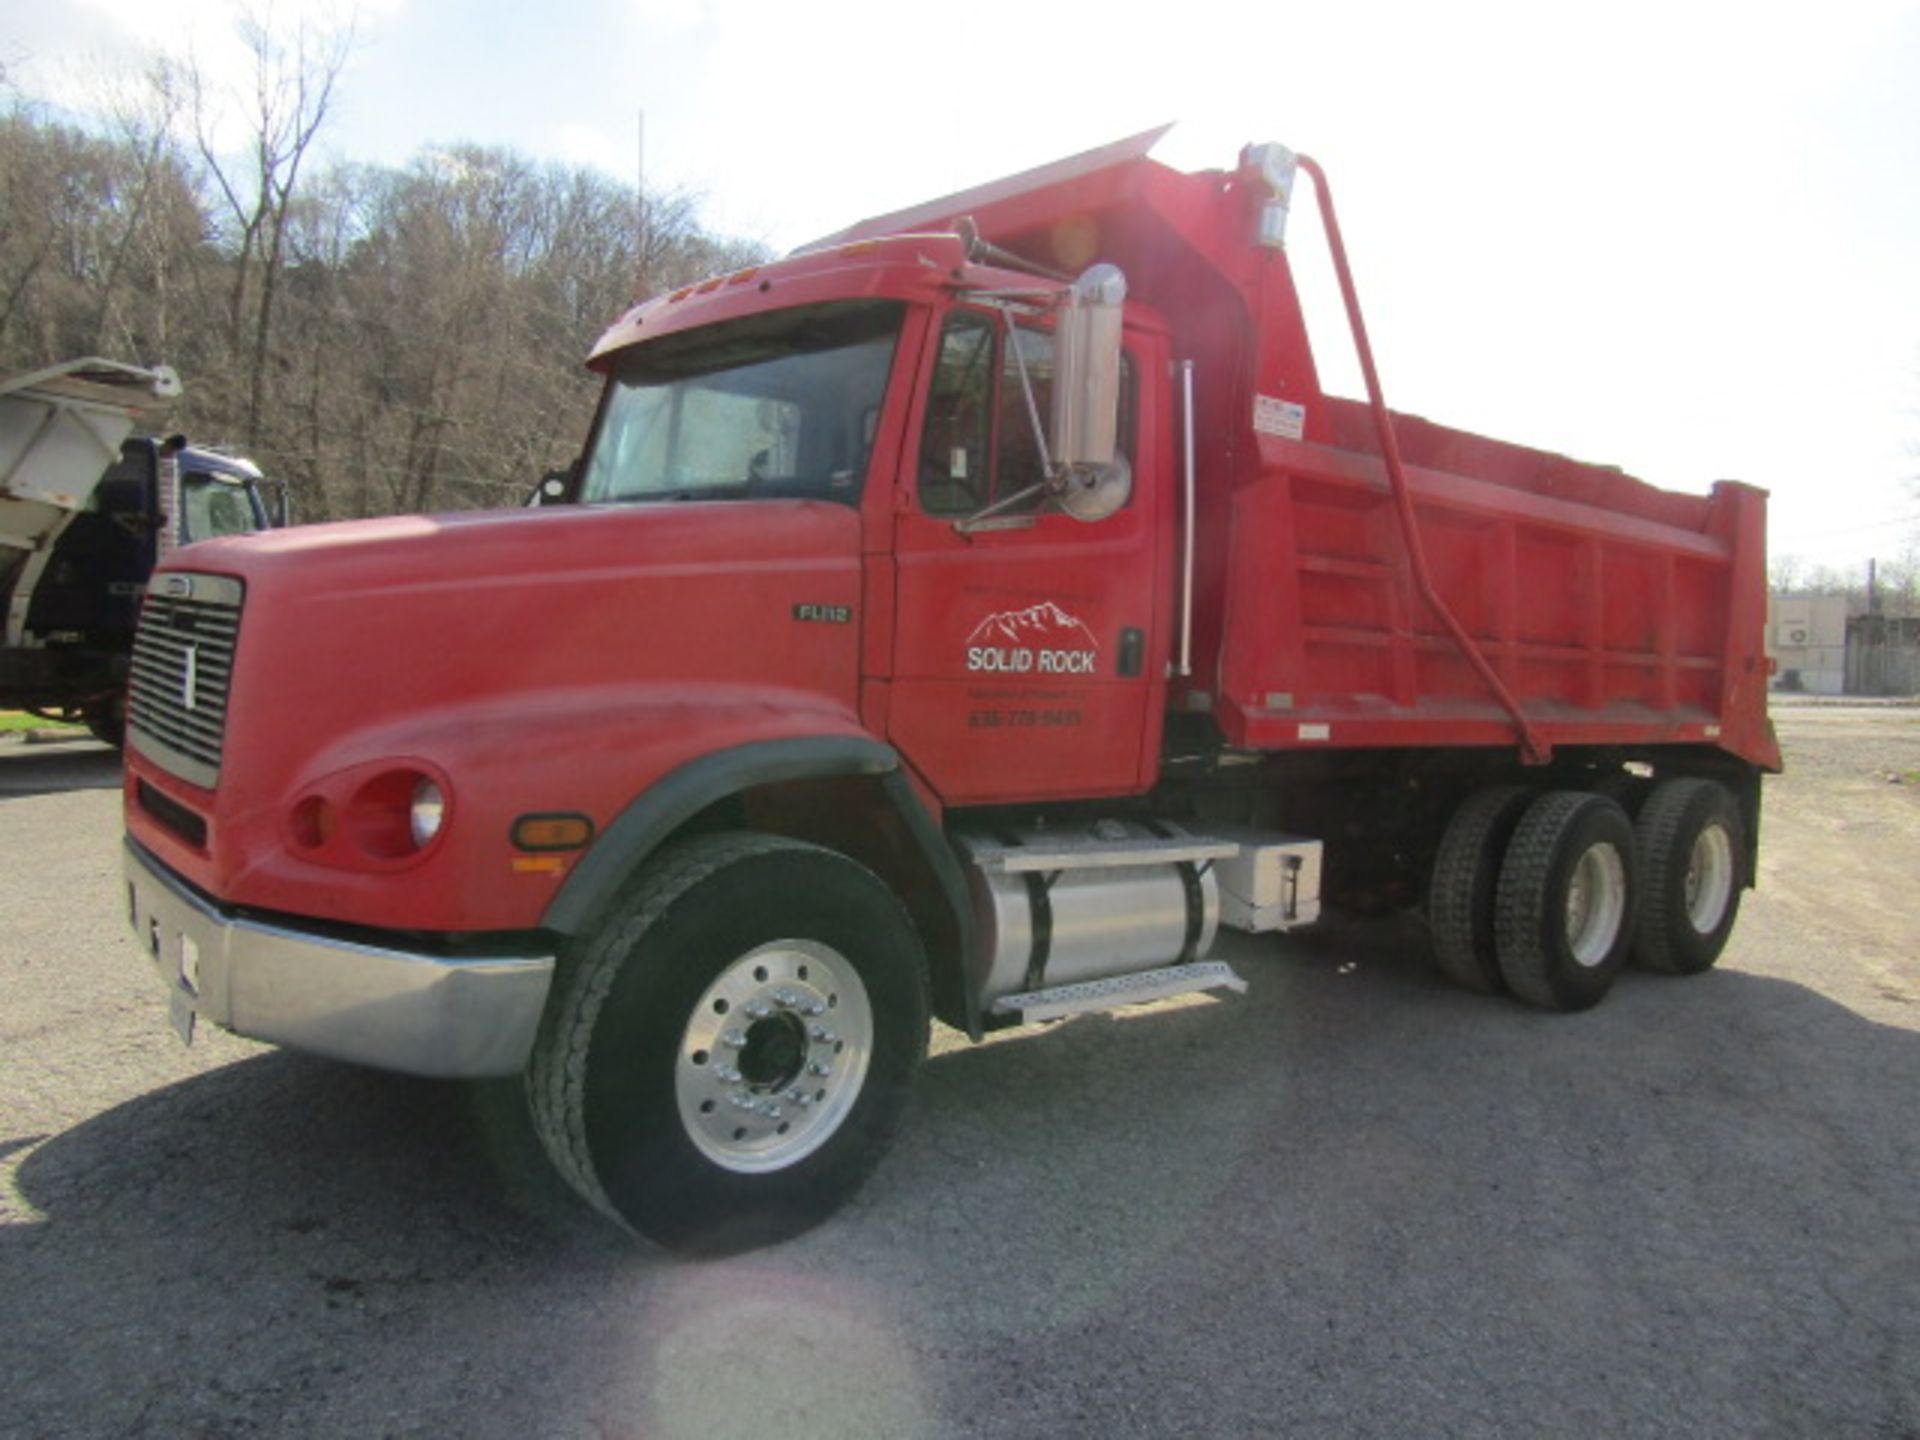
(1355, 1201)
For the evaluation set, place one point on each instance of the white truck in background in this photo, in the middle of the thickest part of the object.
(87, 509)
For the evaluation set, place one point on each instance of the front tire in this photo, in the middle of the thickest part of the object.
(727, 1055)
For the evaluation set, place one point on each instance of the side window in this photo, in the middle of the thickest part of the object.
(956, 461)
(1018, 453)
(214, 507)
(978, 443)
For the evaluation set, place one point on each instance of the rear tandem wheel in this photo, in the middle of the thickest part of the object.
(1564, 914)
(1465, 879)
(1692, 850)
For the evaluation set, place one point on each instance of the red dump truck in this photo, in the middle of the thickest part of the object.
(963, 617)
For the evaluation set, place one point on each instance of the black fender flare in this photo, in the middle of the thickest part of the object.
(686, 790)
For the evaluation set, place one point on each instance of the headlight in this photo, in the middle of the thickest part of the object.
(429, 809)
(389, 814)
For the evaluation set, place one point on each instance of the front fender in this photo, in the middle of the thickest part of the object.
(941, 909)
(677, 797)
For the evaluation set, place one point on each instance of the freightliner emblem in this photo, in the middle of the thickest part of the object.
(180, 587)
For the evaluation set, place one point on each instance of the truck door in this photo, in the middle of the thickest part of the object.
(1029, 650)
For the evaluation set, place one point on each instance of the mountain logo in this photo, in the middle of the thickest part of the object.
(1042, 639)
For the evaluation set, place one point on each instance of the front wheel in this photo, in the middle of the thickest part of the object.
(726, 1056)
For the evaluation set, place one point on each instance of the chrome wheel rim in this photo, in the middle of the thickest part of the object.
(1596, 904)
(774, 1056)
(1709, 882)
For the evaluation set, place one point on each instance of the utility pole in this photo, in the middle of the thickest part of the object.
(640, 210)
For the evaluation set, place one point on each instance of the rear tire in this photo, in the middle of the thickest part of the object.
(1565, 912)
(1465, 882)
(1692, 854)
(726, 1056)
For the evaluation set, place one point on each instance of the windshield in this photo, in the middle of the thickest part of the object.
(214, 505)
(780, 404)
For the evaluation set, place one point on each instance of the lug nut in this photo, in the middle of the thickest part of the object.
(727, 1074)
(734, 1039)
(820, 1069)
(758, 1009)
(824, 1035)
(816, 1008)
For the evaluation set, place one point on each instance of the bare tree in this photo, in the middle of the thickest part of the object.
(293, 80)
(385, 339)
(143, 124)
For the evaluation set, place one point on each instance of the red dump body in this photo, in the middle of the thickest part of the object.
(1611, 611)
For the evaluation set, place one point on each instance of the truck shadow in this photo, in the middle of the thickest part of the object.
(57, 768)
(1347, 1115)
(298, 1147)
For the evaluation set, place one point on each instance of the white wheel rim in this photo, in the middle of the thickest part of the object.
(1709, 882)
(1596, 904)
(774, 1056)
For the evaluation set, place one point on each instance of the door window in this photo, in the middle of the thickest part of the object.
(978, 445)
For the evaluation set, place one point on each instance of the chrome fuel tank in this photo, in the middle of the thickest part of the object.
(1064, 905)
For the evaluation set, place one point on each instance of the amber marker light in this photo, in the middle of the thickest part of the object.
(552, 832)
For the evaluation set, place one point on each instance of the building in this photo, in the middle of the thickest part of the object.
(1807, 640)
(1883, 655)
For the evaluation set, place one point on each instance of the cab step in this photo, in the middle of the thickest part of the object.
(1118, 990)
(1083, 853)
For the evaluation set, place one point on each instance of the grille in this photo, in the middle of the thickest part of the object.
(182, 672)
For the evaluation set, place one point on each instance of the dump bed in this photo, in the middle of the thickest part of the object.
(1612, 612)
(60, 428)
(1588, 607)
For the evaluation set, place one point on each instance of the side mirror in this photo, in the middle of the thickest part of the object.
(1086, 475)
(1086, 394)
(554, 486)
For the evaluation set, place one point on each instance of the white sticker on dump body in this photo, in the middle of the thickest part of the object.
(1279, 417)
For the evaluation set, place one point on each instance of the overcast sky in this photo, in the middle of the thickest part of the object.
(1683, 238)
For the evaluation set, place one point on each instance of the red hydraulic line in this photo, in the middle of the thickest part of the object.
(1530, 743)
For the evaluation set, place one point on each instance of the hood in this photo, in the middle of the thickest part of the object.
(369, 626)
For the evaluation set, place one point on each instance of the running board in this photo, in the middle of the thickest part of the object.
(1110, 994)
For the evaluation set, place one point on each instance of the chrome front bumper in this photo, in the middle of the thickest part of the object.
(404, 1010)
